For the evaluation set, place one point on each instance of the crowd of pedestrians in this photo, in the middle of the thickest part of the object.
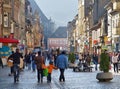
(94, 58)
(35, 61)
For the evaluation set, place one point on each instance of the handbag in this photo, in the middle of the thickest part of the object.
(10, 63)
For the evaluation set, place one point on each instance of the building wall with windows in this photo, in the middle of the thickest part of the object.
(55, 43)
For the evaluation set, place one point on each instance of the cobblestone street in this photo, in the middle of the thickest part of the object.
(74, 80)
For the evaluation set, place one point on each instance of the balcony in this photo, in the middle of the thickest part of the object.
(116, 5)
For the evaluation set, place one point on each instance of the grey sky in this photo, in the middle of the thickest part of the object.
(60, 11)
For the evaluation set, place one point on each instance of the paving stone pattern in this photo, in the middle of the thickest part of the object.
(74, 80)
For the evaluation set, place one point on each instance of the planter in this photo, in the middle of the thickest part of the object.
(104, 77)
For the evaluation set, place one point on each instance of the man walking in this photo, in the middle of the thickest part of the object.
(62, 64)
(16, 62)
(39, 60)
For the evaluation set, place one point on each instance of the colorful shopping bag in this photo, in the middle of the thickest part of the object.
(45, 72)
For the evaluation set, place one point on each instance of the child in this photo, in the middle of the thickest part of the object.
(50, 68)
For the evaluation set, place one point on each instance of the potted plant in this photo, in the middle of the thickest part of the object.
(71, 58)
(105, 75)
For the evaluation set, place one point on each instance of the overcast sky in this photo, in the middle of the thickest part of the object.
(60, 11)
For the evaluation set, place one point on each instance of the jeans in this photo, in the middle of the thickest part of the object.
(96, 63)
(12, 69)
(29, 66)
(62, 75)
(33, 66)
(115, 67)
(16, 72)
(40, 75)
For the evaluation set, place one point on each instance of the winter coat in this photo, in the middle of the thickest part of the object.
(50, 68)
(62, 61)
(16, 57)
(39, 60)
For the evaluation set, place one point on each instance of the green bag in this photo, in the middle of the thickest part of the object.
(45, 72)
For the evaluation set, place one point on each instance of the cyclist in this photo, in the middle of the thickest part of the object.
(16, 62)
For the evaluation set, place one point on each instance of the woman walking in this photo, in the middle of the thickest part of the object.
(115, 62)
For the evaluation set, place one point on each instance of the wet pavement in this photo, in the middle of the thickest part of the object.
(74, 80)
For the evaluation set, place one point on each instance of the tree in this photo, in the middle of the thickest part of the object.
(104, 62)
(71, 57)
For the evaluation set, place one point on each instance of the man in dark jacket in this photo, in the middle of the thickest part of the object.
(39, 60)
(16, 62)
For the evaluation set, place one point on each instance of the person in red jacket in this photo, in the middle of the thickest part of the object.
(50, 68)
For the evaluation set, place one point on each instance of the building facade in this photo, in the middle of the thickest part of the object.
(55, 43)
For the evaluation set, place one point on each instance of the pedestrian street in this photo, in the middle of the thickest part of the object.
(74, 80)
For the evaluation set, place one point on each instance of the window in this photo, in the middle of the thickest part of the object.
(82, 2)
(5, 19)
(7, 1)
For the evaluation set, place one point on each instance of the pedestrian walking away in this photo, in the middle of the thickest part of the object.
(33, 62)
(62, 64)
(50, 68)
(39, 61)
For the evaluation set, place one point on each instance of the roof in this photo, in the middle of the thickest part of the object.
(61, 32)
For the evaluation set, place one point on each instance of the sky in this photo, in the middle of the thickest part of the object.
(60, 11)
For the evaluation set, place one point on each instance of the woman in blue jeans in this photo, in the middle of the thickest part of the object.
(95, 60)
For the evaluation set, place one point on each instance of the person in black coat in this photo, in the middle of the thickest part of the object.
(95, 60)
(1, 62)
(16, 63)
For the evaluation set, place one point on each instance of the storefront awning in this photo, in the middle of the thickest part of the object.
(8, 40)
